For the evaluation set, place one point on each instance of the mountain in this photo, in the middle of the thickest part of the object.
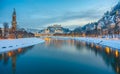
(71, 27)
(109, 22)
(32, 30)
(116, 7)
(55, 29)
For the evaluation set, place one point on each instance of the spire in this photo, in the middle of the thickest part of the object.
(14, 12)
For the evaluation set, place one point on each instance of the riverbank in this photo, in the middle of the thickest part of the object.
(111, 43)
(13, 44)
(114, 44)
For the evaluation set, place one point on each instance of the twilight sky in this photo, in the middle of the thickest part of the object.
(40, 13)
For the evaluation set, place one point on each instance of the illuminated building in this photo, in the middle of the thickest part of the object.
(6, 30)
(14, 23)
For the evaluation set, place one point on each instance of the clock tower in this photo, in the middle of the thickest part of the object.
(14, 22)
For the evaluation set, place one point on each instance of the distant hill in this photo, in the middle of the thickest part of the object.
(109, 21)
(55, 29)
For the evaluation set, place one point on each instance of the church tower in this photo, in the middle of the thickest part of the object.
(14, 22)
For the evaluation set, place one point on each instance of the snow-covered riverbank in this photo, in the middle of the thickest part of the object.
(115, 44)
(112, 43)
(8, 45)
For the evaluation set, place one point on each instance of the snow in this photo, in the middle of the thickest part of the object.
(112, 43)
(13, 44)
(115, 44)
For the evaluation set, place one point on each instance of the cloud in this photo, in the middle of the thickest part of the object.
(68, 18)
(34, 14)
(69, 23)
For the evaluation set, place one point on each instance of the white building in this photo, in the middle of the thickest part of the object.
(58, 31)
(47, 31)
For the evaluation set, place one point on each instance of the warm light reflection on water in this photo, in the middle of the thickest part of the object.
(61, 57)
(12, 56)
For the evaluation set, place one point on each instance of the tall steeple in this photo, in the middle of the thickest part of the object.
(14, 12)
(14, 22)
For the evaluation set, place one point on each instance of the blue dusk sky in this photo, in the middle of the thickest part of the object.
(41, 13)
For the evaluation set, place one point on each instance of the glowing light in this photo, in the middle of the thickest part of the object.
(116, 53)
(107, 49)
(9, 54)
(19, 50)
(83, 35)
(47, 39)
(97, 46)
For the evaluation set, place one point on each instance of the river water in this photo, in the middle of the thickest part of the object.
(58, 57)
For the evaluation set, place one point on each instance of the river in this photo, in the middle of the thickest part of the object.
(58, 57)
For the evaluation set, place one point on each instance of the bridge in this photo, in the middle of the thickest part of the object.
(39, 35)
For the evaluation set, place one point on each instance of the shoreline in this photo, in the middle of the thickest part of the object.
(13, 44)
(111, 43)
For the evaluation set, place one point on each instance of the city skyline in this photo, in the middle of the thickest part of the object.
(60, 36)
(40, 13)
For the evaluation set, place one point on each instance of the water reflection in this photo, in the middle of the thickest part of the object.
(58, 43)
(12, 56)
(111, 58)
(46, 58)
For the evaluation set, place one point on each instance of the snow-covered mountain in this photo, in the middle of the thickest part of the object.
(110, 20)
(116, 7)
(71, 27)
(55, 29)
